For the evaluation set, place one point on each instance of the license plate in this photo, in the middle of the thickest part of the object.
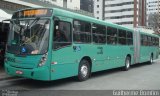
(19, 72)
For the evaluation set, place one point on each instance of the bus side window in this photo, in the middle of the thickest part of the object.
(111, 35)
(129, 38)
(157, 42)
(144, 40)
(122, 37)
(61, 34)
(99, 33)
(82, 32)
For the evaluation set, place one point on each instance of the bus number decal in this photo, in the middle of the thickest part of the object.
(100, 50)
(77, 48)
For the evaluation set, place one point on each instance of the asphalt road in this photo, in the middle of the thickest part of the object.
(139, 77)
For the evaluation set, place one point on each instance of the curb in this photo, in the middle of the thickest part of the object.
(7, 78)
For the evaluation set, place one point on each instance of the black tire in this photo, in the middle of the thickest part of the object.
(84, 70)
(127, 63)
(151, 59)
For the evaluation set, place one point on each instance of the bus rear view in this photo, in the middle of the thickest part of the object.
(27, 50)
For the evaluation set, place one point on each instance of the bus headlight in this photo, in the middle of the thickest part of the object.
(43, 60)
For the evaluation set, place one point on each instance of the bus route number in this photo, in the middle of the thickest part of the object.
(100, 50)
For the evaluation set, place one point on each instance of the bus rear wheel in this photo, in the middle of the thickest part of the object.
(151, 59)
(84, 70)
(127, 63)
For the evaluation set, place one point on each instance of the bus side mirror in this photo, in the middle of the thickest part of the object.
(56, 27)
(3, 24)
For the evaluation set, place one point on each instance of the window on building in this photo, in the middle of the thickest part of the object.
(97, 12)
(99, 33)
(82, 32)
(65, 3)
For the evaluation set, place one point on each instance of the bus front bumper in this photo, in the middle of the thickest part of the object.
(40, 73)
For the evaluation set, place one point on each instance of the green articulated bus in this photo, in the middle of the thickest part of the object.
(50, 43)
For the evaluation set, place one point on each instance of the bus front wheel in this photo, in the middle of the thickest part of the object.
(127, 63)
(84, 70)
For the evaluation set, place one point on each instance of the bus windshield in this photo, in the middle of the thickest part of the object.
(28, 36)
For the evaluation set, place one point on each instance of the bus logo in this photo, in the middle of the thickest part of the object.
(11, 59)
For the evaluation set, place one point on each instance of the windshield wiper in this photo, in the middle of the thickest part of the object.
(33, 22)
(40, 29)
(29, 27)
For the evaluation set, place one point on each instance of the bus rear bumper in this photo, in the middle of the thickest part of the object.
(41, 73)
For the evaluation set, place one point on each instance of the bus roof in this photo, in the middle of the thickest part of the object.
(149, 34)
(143, 31)
(65, 13)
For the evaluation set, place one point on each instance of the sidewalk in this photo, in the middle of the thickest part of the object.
(3, 75)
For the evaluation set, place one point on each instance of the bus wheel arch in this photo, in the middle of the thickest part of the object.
(88, 59)
(84, 68)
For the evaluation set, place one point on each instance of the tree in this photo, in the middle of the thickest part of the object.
(154, 22)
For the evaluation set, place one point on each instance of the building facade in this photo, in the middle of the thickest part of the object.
(70, 4)
(86, 5)
(153, 14)
(152, 6)
(99, 9)
(124, 12)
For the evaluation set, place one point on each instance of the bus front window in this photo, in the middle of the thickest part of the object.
(29, 36)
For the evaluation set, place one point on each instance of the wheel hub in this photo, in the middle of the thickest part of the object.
(84, 71)
(127, 63)
(151, 60)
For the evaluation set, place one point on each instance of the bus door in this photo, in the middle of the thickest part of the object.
(136, 46)
(63, 58)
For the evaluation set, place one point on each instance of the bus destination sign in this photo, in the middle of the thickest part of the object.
(33, 13)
